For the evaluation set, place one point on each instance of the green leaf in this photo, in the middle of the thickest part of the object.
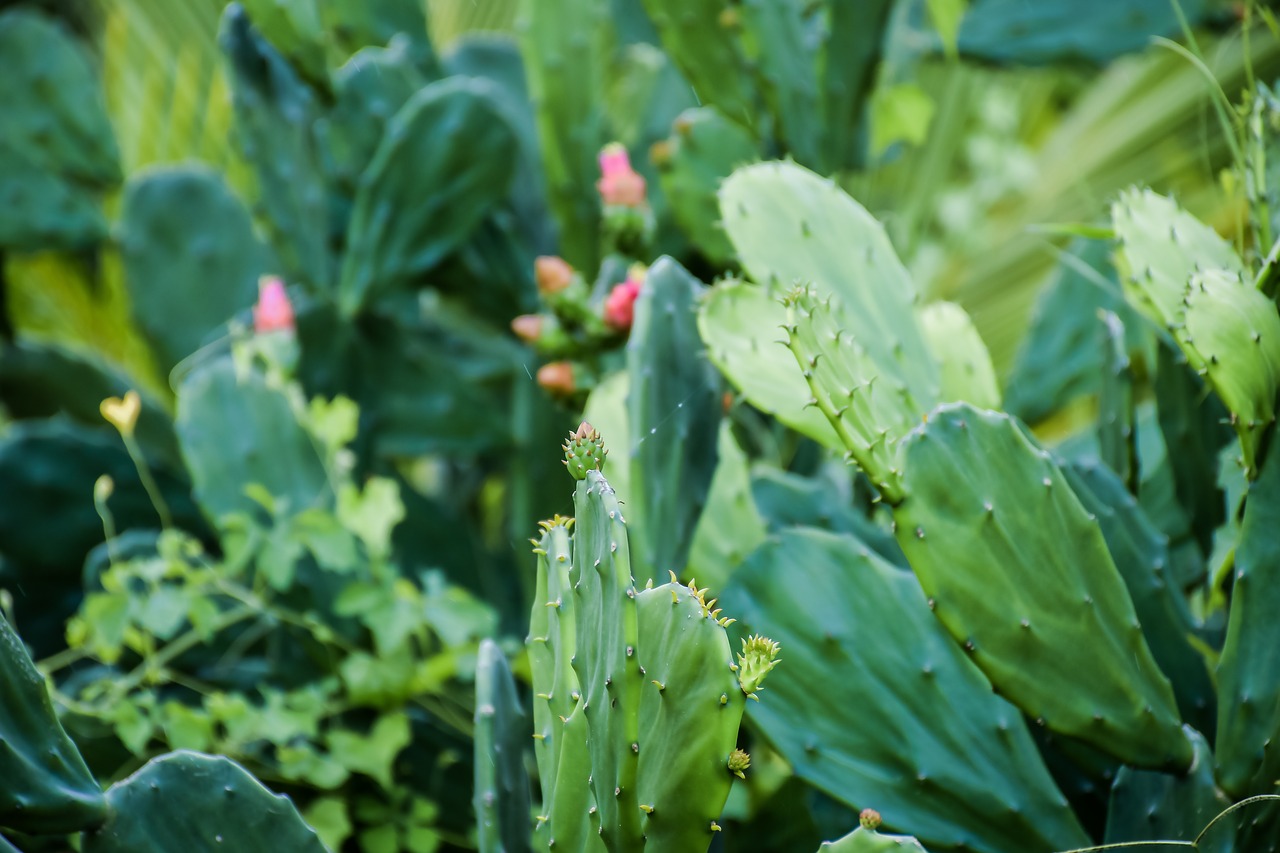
(900, 113)
(328, 817)
(374, 753)
(946, 15)
(457, 616)
(372, 513)
(377, 682)
(278, 559)
(328, 541)
(185, 727)
(163, 612)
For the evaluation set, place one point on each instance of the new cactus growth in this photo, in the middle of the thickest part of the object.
(638, 699)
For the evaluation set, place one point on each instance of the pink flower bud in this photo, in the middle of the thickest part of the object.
(619, 184)
(557, 377)
(620, 305)
(528, 327)
(552, 274)
(273, 311)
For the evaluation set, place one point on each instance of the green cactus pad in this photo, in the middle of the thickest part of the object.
(187, 275)
(742, 325)
(703, 150)
(674, 407)
(238, 430)
(188, 801)
(730, 527)
(443, 163)
(275, 113)
(1117, 437)
(1018, 572)
(847, 66)
(869, 409)
(1233, 330)
(565, 44)
(295, 29)
(863, 840)
(1147, 805)
(501, 781)
(40, 210)
(1160, 247)
(964, 365)
(776, 40)
(1249, 669)
(45, 786)
(1141, 555)
(691, 707)
(699, 35)
(902, 721)
(374, 23)
(791, 227)
(605, 658)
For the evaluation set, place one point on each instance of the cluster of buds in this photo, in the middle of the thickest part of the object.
(628, 219)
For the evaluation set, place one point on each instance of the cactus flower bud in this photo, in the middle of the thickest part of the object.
(619, 307)
(528, 327)
(619, 184)
(557, 377)
(273, 311)
(759, 655)
(584, 451)
(869, 819)
(552, 274)
(122, 413)
(739, 760)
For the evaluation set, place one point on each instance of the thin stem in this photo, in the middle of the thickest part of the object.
(178, 647)
(64, 658)
(1121, 845)
(108, 520)
(148, 482)
(1247, 802)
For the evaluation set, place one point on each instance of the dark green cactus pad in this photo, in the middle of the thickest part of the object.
(904, 722)
(275, 114)
(1194, 426)
(703, 150)
(294, 28)
(700, 37)
(1141, 554)
(565, 44)
(847, 67)
(188, 801)
(965, 371)
(605, 659)
(39, 210)
(1233, 330)
(187, 274)
(740, 324)
(45, 786)
(6, 846)
(238, 430)
(1117, 437)
(863, 840)
(1249, 669)
(1053, 31)
(690, 710)
(790, 500)
(373, 23)
(560, 736)
(501, 781)
(776, 43)
(870, 409)
(674, 408)
(55, 113)
(986, 527)
(791, 227)
(368, 90)
(443, 163)
(1161, 245)
(1147, 805)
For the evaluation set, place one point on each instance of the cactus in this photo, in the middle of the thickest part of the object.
(674, 407)
(965, 372)
(187, 275)
(185, 799)
(1141, 555)
(439, 192)
(501, 783)
(1017, 601)
(237, 430)
(774, 39)
(374, 23)
(1248, 689)
(878, 734)
(847, 68)
(1147, 804)
(739, 323)
(45, 786)
(1117, 438)
(275, 112)
(565, 47)
(703, 150)
(729, 527)
(638, 736)
(866, 840)
(295, 28)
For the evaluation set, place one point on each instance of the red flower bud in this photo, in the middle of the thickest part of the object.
(620, 305)
(552, 274)
(528, 327)
(557, 377)
(619, 184)
(273, 311)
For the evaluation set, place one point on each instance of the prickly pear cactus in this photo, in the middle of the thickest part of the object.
(501, 782)
(965, 371)
(185, 800)
(45, 786)
(1032, 571)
